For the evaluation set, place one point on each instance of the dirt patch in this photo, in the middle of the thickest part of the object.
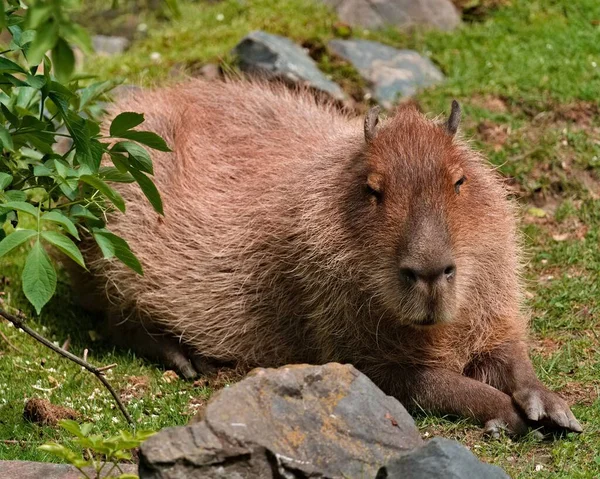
(493, 133)
(42, 411)
(492, 103)
(136, 387)
(583, 113)
(477, 11)
(577, 392)
(546, 347)
(220, 378)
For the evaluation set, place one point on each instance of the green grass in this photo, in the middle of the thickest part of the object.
(527, 76)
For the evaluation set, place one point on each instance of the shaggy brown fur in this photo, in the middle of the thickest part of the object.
(293, 235)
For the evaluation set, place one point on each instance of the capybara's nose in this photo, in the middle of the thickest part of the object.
(438, 272)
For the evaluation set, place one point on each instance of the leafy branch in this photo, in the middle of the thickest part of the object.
(51, 195)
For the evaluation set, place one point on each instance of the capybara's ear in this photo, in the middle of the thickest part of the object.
(454, 119)
(371, 121)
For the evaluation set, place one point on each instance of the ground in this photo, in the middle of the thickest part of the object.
(527, 74)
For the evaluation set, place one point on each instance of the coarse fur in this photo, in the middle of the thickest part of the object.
(294, 232)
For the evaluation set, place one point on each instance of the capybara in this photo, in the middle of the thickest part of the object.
(295, 232)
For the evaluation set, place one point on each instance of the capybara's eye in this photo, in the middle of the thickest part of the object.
(373, 192)
(459, 183)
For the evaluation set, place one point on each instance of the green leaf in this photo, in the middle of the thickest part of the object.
(46, 37)
(8, 66)
(111, 245)
(57, 217)
(93, 91)
(15, 239)
(138, 156)
(147, 138)
(106, 190)
(149, 189)
(6, 139)
(2, 16)
(15, 195)
(39, 14)
(36, 81)
(109, 173)
(76, 34)
(12, 119)
(86, 427)
(21, 206)
(42, 170)
(120, 161)
(78, 211)
(63, 60)
(124, 122)
(39, 277)
(64, 244)
(60, 95)
(71, 426)
(11, 79)
(97, 149)
(5, 180)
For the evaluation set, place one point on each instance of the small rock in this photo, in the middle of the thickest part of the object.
(260, 51)
(36, 470)
(296, 421)
(210, 71)
(105, 45)
(441, 14)
(440, 459)
(390, 71)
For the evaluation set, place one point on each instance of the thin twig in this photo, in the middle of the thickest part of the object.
(106, 368)
(94, 370)
(9, 343)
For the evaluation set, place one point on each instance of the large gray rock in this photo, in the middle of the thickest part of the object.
(440, 459)
(260, 51)
(441, 14)
(390, 72)
(105, 45)
(46, 470)
(296, 421)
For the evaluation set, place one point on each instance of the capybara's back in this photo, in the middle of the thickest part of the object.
(296, 233)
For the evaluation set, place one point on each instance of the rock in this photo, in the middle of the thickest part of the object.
(441, 14)
(440, 459)
(260, 51)
(105, 45)
(390, 72)
(210, 71)
(295, 421)
(36, 470)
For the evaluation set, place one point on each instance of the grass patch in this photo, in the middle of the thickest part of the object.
(527, 74)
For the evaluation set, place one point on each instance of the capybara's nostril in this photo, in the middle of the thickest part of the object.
(429, 274)
(450, 272)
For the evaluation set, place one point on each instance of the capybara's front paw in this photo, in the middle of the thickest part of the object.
(542, 405)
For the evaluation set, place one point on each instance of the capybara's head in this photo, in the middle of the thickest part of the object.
(423, 211)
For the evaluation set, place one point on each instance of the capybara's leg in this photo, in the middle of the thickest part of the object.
(509, 369)
(447, 392)
(146, 340)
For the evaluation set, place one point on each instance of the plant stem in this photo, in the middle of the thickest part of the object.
(94, 370)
